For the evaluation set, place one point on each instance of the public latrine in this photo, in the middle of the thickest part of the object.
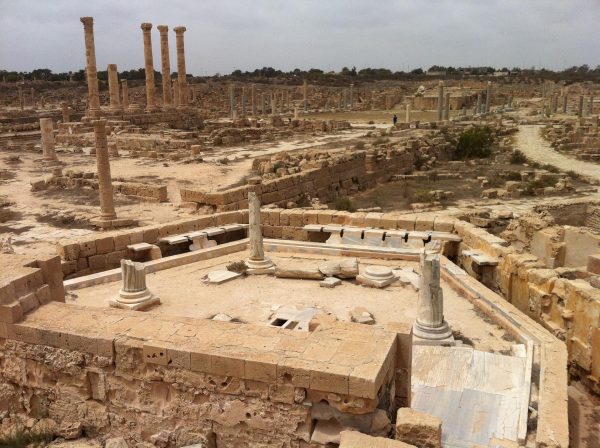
(204, 262)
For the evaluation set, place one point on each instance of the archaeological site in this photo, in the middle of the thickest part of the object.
(303, 259)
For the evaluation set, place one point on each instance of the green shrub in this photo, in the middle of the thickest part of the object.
(550, 168)
(380, 141)
(512, 175)
(475, 143)
(517, 157)
(344, 203)
(421, 196)
(572, 174)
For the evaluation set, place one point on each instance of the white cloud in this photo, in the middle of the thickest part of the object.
(224, 35)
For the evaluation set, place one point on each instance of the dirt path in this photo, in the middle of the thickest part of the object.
(533, 145)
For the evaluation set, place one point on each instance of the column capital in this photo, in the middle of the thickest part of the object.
(162, 29)
(87, 21)
(179, 29)
(112, 67)
(146, 26)
(99, 124)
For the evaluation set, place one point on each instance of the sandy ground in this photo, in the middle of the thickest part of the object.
(254, 298)
(39, 219)
(379, 117)
(535, 147)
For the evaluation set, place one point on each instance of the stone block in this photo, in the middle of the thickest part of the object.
(11, 312)
(154, 353)
(330, 378)
(418, 429)
(97, 262)
(68, 251)
(406, 222)
(227, 365)
(105, 245)
(87, 247)
(261, 367)
(355, 439)
(593, 264)
(424, 223)
(373, 219)
(29, 302)
(122, 240)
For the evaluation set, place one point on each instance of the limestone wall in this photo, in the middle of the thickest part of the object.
(339, 175)
(102, 251)
(569, 308)
(103, 372)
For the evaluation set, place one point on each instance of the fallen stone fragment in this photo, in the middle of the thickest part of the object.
(298, 271)
(376, 277)
(418, 428)
(221, 317)
(330, 282)
(348, 268)
(407, 276)
(360, 315)
(116, 442)
(331, 268)
(218, 277)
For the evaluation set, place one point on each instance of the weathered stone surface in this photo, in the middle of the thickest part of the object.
(289, 269)
(418, 429)
(330, 282)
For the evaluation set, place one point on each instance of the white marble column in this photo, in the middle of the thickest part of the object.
(430, 324)
(440, 104)
(134, 294)
(257, 263)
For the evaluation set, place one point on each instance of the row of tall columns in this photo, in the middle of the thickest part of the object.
(115, 103)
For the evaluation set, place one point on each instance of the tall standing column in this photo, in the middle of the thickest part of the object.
(231, 101)
(447, 107)
(181, 74)
(165, 65)
(90, 67)
(66, 116)
(591, 105)
(150, 93)
(440, 104)
(32, 98)
(21, 100)
(125, 94)
(430, 323)
(107, 206)
(257, 262)
(47, 133)
(488, 97)
(113, 87)
(253, 95)
(243, 101)
(176, 93)
(262, 103)
(478, 104)
(565, 101)
(407, 118)
(580, 107)
(351, 96)
(305, 94)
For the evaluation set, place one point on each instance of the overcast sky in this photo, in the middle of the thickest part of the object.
(224, 35)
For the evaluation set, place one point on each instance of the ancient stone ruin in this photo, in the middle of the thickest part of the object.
(232, 261)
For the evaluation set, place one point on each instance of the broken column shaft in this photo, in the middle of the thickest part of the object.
(430, 323)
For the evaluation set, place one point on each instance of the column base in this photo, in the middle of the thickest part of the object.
(256, 267)
(135, 301)
(104, 223)
(441, 335)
